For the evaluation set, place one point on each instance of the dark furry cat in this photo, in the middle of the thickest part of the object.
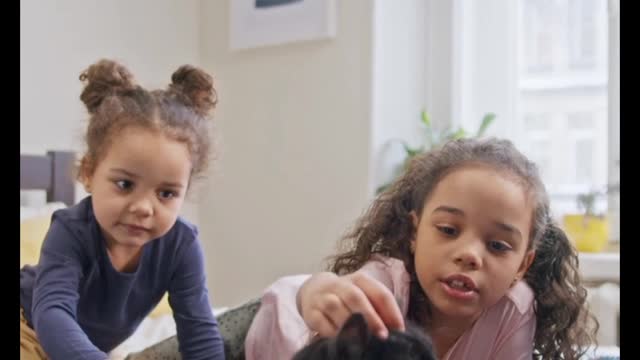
(356, 342)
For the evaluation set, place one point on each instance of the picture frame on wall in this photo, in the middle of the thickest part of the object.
(260, 23)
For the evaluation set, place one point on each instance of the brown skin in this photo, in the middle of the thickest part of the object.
(325, 301)
(141, 181)
(476, 223)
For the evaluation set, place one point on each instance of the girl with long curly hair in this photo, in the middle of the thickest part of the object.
(463, 243)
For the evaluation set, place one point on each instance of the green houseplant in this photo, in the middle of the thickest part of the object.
(434, 138)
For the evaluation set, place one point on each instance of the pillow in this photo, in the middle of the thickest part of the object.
(27, 212)
(34, 224)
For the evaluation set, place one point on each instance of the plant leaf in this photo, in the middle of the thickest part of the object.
(425, 119)
(459, 134)
(382, 188)
(486, 121)
(427, 124)
(411, 152)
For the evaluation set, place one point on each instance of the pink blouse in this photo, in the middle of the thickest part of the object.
(504, 331)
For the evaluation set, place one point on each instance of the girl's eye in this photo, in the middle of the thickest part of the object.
(167, 194)
(124, 184)
(447, 230)
(499, 246)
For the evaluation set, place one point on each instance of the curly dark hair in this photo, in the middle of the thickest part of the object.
(114, 101)
(355, 341)
(564, 326)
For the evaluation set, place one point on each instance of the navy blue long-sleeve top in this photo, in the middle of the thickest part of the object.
(81, 307)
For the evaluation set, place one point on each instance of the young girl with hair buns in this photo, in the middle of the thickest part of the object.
(107, 261)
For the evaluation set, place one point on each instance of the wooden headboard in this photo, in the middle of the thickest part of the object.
(52, 172)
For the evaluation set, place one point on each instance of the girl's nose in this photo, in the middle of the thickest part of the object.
(469, 256)
(142, 207)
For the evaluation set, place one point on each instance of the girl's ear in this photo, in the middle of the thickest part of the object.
(526, 262)
(86, 183)
(416, 222)
(87, 186)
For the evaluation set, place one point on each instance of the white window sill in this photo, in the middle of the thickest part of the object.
(600, 267)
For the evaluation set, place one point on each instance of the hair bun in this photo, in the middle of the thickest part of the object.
(104, 78)
(197, 89)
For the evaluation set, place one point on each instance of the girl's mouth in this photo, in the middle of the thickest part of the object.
(460, 287)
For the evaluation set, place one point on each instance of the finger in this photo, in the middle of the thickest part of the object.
(382, 300)
(318, 322)
(357, 301)
(334, 309)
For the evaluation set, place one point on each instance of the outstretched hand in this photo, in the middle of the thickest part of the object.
(325, 302)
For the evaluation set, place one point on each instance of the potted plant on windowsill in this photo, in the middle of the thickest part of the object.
(434, 138)
(589, 230)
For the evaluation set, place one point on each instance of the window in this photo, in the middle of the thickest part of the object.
(566, 78)
(586, 24)
(539, 35)
(549, 69)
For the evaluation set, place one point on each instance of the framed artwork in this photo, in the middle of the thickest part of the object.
(258, 23)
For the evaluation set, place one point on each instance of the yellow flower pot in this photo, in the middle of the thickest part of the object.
(588, 233)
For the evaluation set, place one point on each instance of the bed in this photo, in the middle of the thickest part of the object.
(51, 173)
(47, 184)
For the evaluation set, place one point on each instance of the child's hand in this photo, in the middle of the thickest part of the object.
(325, 301)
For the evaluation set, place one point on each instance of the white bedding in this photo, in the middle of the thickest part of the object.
(150, 332)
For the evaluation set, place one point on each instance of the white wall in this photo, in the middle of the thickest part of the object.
(486, 75)
(294, 128)
(58, 39)
(399, 83)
